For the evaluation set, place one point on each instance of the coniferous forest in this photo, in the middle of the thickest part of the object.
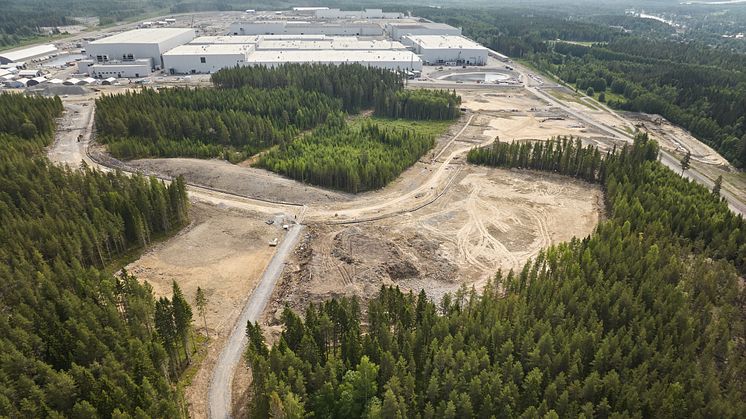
(644, 318)
(294, 112)
(206, 122)
(76, 341)
(353, 159)
(421, 104)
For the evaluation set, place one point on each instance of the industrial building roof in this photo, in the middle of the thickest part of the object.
(212, 49)
(226, 39)
(27, 53)
(338, 43)
(417, 25)
(444, 42)
(143, 36)
(332, 56)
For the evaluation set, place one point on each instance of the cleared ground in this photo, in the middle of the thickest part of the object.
(222, 251)
(489, 219)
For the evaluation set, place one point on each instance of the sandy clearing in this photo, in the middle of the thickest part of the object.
(490, 219)
(504, 99)
(246, 181)
(222, 251)
(534, 127)
(678, 140)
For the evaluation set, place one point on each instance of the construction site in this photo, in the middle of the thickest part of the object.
(258, 241)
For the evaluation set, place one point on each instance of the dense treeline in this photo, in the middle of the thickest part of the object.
(206, 122)
(419, 104)
(519, 32)
(355, 85)
(74, 340)
(352, 159)
(563, 155)
(700, 88)
(644, 318)
(22, 20)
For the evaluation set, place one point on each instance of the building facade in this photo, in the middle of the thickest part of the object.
(138, 44)
(446, 49)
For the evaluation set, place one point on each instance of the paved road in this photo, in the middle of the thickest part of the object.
(735, 204)
(222, 377)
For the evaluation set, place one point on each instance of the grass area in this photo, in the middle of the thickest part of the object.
(429, 128)
(40, 39)
(201, 343)
(574, 97)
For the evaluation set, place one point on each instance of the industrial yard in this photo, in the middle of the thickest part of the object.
(439, 226)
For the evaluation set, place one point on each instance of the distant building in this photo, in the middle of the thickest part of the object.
(27, 54)
(327, 13)
(399, 29)
(281, 27)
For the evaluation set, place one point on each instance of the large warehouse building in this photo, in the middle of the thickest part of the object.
(392, 60)
(346, 43)
(281, 27)
(210, 54)
(327, 13)
(399, 29)
(27, 54)
(446, 49)
(138, 44)
(192, 59)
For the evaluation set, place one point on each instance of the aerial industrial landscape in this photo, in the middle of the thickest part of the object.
(263, 207)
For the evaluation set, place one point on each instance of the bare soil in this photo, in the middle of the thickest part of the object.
(222, 251)
(489, 219)
(246, 181)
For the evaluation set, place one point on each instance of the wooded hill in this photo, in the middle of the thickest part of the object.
(76, 341)
(643, 318)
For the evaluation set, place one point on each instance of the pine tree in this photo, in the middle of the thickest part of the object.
(685, 162)
(201, 303)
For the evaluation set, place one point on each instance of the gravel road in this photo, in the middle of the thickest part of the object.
(222, 378)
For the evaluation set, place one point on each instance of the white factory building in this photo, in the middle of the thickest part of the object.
(119, 69)
(327, 13)
(138, 44)
(392, 60)
(399, 29)
(282, 27)
(27, 54)
(193, 59)
(209, 54)
(340, 43)
(446, 49)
